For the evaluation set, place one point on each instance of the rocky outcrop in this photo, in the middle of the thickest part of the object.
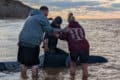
(13, 9)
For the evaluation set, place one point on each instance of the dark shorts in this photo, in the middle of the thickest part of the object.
(28, 56)
(82, 56)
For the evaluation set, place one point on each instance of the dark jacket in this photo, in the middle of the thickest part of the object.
(52, 40)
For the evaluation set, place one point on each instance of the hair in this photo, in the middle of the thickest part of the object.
(58, 20)
(70, 17)
(44, 8)
(70, 14)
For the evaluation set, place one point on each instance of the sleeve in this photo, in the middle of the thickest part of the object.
(63, 35)
(46, 36)
(45, 24)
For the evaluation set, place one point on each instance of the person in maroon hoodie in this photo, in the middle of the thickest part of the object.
(78, 45)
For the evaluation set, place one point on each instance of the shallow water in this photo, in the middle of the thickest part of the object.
(104, 38)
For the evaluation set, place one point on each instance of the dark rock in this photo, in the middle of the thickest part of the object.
(13, 9)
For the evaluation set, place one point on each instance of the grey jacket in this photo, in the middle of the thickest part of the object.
(34, 28)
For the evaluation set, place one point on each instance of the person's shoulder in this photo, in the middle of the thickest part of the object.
(38, 15)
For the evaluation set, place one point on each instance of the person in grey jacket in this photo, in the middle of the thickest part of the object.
(30, 39)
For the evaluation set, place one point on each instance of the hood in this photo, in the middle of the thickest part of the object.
(35, 12)
(74, 25)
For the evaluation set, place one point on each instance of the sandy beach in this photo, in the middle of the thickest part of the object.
(104, 38)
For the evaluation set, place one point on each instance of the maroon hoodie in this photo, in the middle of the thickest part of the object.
(74, 34)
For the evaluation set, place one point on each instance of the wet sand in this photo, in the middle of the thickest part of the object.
(104, 38)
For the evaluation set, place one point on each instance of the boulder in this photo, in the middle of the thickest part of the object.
(13, 9)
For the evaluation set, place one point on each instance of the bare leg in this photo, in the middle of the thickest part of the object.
(35, 72)
(24, 72)
(72, 68)
(85, 71)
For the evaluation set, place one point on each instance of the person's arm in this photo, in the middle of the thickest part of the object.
(62, 35)
(44, 22)
(47, 27)
(45, 43)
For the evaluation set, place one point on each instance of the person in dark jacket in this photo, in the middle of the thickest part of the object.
(78, 45)
(51, 41)
(30, 39)
(52, 53)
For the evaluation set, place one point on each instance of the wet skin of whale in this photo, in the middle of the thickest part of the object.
(61, 59)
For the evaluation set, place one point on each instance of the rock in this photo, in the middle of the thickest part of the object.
(13, 9)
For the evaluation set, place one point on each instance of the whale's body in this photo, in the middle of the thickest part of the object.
(60, 59)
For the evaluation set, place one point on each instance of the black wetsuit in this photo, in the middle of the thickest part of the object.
(55, 57)
(52, 41)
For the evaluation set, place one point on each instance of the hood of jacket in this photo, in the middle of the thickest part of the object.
(36, 12)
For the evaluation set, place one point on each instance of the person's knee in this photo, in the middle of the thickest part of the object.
(23, 68)
(35, 69)
(84, 65)
(35, 66)
(35, 72)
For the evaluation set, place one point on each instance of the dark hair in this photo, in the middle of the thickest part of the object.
(70, 14)
(57, 20)
(71, 17)
(44, 8)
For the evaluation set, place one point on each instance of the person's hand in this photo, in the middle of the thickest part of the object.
(57, 35)
(46, 49)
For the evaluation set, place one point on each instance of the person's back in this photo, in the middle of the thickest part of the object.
(30, 39)
(33, 29)
(78, 45)
(75, 36)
